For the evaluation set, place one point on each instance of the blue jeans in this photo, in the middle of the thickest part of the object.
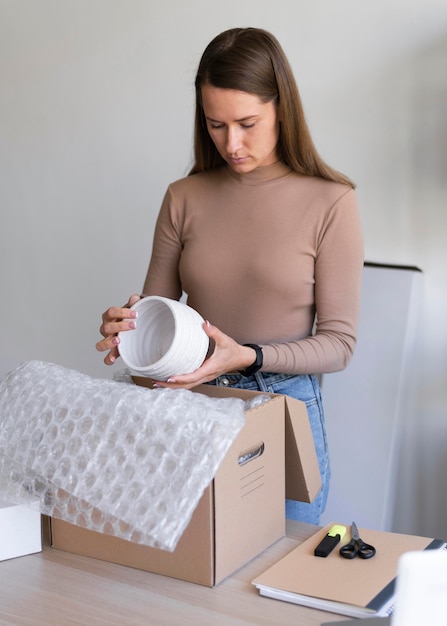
(307, 389)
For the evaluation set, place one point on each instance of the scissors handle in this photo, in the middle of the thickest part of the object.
(357, 547)
(349, 551)
(365, 550)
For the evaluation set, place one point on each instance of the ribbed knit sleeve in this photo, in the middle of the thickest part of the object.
(338, 273)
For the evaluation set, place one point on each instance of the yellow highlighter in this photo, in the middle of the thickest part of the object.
(329, 541)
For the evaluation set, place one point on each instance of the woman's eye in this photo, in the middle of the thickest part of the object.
(219, 126)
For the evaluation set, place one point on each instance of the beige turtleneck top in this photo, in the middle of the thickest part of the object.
(263, 256)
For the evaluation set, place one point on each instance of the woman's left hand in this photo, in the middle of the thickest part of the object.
(227, 356)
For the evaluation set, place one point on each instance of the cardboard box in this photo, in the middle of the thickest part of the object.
(21, 532)
(240, 514)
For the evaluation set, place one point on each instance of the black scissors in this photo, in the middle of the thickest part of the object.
(357, 546)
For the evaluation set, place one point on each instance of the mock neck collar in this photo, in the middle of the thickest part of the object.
(262, 174)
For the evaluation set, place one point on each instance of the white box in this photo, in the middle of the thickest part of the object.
(20, 531)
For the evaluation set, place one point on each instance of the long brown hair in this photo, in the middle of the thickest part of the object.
(252, 60)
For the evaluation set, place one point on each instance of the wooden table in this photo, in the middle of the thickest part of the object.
(58, 588)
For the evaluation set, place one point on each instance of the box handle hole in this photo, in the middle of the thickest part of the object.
(252, 454)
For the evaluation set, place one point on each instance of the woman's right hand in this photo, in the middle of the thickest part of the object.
(115, 320)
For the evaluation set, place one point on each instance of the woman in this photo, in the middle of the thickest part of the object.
(263, 237)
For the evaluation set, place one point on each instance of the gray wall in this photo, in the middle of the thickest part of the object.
(96, 118)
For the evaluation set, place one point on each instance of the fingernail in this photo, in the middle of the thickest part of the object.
(132, 325)
(112, 359)
(133, 313)
(115, 341)
(171, 380)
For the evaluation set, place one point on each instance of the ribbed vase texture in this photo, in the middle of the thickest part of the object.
(169, 339)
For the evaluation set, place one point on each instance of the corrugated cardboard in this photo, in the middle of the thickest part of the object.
(239, 515)
(20, 531)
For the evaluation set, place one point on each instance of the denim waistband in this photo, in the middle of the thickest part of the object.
(261, 378)
(305, 387)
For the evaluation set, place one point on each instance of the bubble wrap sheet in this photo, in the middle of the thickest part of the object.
(110, 456)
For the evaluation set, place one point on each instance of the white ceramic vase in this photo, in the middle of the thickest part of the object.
(169, 339)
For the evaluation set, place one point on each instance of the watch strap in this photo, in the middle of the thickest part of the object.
(257, 364)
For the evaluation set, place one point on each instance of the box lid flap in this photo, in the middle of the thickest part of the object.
(303, 479)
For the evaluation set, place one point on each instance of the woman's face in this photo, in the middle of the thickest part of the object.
(244, 129)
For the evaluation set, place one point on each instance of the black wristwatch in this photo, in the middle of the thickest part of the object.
(256, 366)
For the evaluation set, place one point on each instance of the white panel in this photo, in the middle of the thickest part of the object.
(365, 404)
